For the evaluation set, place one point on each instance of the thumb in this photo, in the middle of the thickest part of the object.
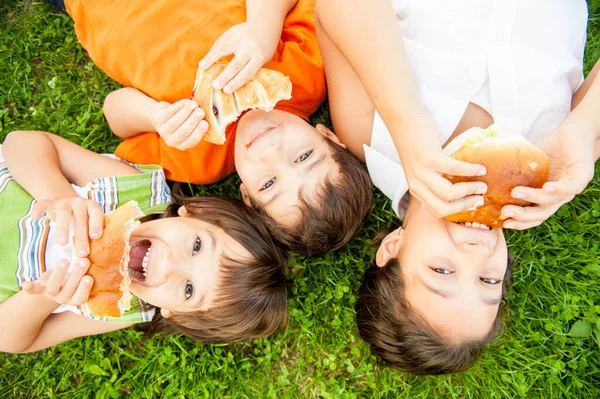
(216, 52)
(450, 166)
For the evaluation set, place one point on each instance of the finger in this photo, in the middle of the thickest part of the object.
(82, 293)
(80, 222)
(220, 49)
(30, 288)
(74, 278)
(196, 136)
(442, 208)
(529, 214)
(450, 166)
(56, 278)
(96, 219)
(567, 185)
(163, 117)
(243, 76)
(177, 121)
(185, 130)
(536, 195)
(233, 68)
(448, 192)
(39, 208)
(515, 225)
(63, 221)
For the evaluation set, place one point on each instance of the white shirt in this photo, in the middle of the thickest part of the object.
(520, 60)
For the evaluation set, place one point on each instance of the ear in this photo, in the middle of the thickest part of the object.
(245, 195)
(165, 313)
(182, 211)
(390, 247)
(326, 132)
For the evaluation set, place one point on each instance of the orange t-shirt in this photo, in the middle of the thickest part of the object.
(155, 46)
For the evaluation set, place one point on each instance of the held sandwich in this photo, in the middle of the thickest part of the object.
(510, 161)
(109, 257)
(266, 89)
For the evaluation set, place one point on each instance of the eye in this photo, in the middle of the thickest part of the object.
(267, 184)
(439, 270)
(197, 246)
(491, 281)
(304, 157)
(189, 290)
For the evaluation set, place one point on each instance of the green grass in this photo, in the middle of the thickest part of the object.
(48, 83)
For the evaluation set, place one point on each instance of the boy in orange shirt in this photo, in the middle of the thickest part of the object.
(311, 191)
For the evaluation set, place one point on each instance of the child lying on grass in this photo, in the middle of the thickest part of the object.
(431, 300)
(214, 272)
(312, 193)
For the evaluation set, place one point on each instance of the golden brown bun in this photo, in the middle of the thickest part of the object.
(264, 91)
(510, 161)
(109, 257)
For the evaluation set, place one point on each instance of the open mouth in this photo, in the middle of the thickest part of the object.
(139, 253)
(476, 225)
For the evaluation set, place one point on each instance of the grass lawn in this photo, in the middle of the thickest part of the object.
(550, 348)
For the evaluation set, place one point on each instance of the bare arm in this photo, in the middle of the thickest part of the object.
(28, 325)
(129, 112)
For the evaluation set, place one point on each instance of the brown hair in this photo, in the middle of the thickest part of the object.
(252, 299)
(402, 337)
(335, 216)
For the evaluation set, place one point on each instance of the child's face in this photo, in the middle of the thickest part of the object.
(278, 156)
(182, 267)
(453, 273)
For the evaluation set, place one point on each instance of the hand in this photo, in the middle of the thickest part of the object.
(253, 47)
(181, 124)
(571, 151)
(87, 217)
(424, 163)
(62, 287)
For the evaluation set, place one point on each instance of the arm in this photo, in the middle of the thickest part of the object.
(45, 165)
(26, 318)
(253, 42)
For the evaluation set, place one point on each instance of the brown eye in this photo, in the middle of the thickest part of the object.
(215, 111)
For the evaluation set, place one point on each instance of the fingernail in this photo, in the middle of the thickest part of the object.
(82, 252)
(62, 241)
(518, 195)
(204, 124)
(192, 105)
(87, 280)
(478, 203)
(227, 90)
(216, 84)
(82, 263)
(550, 189)
(63, 264)
(481, 172)
(508, 214)
(94, 235)
(202, 64)
(481, 190)
(199, 113)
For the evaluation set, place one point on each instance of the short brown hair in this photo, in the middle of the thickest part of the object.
(335, 216)
(402, 337)
(252, 299)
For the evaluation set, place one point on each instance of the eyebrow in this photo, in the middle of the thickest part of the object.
(315, 163)
(448, 295)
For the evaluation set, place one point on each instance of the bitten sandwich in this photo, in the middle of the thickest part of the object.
(510, 161)
(109, 257)
(264, 91)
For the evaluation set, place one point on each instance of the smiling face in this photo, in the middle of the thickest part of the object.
(280, 157)
(175, 262)
(453, 274)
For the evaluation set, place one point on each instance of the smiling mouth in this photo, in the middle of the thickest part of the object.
(139, 254)
(258, 135)
(476, 225)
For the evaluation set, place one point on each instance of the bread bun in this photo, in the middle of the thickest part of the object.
(510, 161)
(264, 91)
(109, 256)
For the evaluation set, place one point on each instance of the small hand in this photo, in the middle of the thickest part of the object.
(181, 124)
(424, 163)
(252, 46)
(62, 287)
(86, 215)
(571, 151)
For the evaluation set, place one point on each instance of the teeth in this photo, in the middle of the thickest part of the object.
(145, 260)
(477, 225)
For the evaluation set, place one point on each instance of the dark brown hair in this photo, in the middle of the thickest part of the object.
(252, 299)
(401, 336)
(335, 216)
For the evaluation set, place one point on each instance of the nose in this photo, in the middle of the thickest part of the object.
(473, 245)
(172, 267)
(272, 152)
